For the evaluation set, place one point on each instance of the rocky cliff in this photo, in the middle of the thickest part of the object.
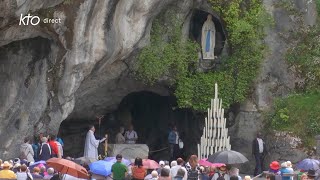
(82, 66)
(76, 68)
(276, 79)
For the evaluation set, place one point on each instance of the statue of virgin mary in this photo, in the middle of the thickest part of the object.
(208, 38)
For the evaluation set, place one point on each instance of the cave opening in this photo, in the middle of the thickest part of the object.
(151, 114)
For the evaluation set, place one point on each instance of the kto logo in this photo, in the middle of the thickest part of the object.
(33, 20)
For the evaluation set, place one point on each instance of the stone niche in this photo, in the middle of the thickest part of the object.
(197, 20)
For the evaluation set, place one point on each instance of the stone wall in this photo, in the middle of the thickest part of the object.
(276, 79)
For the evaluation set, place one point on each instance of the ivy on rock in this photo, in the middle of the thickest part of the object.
(170, 56)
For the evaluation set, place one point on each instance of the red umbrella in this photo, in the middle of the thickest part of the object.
(204, 162)
(150, 164)
(68, 167)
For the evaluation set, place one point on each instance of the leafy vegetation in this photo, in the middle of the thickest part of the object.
(298, 114)
(305, 57)
(318, 6)
(169, 56)
(244, 23)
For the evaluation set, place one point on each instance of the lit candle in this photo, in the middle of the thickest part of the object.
(215, 90)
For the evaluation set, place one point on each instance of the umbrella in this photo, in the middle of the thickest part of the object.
(150, 164)
(36, 164)
(308, 164)
(84, 160)
(68, 167)
(101, 167)
(114, 159)
(204, 162)
(227, 157)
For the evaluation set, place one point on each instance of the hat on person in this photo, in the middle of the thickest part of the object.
(247, 177)
(312, 173)
(275, 165)
(167, 167)
(6, 164)
(161, 163)
(289, 164)
(16, 160)
(284, 165)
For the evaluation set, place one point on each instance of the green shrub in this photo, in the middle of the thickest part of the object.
(305, 57)
(169, 56)
(318, 6)
(299, 114)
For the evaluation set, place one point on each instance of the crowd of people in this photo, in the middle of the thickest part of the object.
(24, 168)
(191, 170)
(175, 170)
(42, 148)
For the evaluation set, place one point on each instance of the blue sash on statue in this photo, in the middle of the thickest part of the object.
(208, 41)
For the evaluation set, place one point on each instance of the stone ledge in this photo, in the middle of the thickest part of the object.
(129, 151)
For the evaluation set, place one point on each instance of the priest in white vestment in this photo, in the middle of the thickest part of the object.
(92, 144)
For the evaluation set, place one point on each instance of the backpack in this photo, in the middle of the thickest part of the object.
(193, 174)
(221, 177)
(23, 153)
(138, 173)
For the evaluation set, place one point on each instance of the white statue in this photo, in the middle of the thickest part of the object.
(208, 37)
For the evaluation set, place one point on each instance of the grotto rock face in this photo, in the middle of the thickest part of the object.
(83, 66)
(276, 79)
(76, 69)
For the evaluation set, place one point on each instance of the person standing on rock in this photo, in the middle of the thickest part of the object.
(92, 144)
(45, 150)
(26, 151)
(259, 151)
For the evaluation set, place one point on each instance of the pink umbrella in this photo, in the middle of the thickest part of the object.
(204, 162)
(150, 164)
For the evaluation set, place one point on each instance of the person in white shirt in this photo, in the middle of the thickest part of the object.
(131, 136)
(91, 144)
(258, 151)
(174, 169)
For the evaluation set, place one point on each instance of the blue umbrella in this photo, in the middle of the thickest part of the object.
(113, 160)
(101, 167)
(308, 164)
(36, 164)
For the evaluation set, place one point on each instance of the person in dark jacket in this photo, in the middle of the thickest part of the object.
(45, 150)
(258, 151)
(173, 140)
